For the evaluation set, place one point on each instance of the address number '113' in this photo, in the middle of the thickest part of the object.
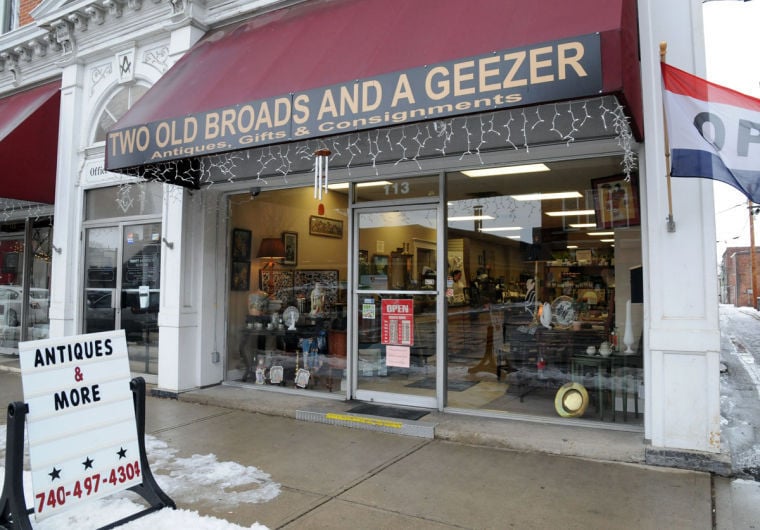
(397, 188)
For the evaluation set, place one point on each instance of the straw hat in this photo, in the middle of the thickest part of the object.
(571, 400)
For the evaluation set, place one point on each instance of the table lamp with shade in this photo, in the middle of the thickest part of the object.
(270, 250)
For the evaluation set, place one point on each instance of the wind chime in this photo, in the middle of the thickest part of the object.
(321, 163)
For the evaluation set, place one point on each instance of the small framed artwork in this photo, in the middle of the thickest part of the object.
(241, 244)
(324, 226)
(363, 257)
(616, 202)
(290, 240)
(583, 257)
(241, 276)
(380, 264)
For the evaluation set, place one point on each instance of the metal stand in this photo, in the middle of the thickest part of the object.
(149, 488)
(13, 511)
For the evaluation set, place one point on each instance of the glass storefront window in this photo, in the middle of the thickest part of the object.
(538, 279)
(11, 288)
(24, 259)
(422, 187)
(287, 321)
(145, 198)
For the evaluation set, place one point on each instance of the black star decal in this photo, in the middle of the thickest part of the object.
(55, 474)
(122, 453)
(88, 463)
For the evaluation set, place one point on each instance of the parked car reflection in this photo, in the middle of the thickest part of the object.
(10, 305)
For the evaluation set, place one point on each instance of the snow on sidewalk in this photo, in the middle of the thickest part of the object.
(186, 480)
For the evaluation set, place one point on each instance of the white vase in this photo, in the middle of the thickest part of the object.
(628, 336)
(546, 315)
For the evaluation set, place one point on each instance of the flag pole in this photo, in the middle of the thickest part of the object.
(671, 222)
(753, 255)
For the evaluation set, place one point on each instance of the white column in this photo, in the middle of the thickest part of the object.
(682, 333)
(66, 275)
(184, 360)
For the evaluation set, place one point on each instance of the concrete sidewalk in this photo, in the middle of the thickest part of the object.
(476, 473)
(335, 477)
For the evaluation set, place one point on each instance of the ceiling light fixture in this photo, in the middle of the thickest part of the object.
(607, 240)
(570, 247)
(344, 185)
(547, 196)
(582, 225)
(505, 170)
(566, 213)
(500, 228)
(601, 233)
(471, 218)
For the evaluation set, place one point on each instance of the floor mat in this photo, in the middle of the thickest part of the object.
(389, 412)
(454, 386)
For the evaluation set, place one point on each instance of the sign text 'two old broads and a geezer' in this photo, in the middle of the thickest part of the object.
(557, 70)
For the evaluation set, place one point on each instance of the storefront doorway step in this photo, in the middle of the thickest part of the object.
(370, 423)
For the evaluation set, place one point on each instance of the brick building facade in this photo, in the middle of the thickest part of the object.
(736, 276)
(25, 11)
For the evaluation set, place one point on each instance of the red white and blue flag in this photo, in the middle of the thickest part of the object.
(714, 132)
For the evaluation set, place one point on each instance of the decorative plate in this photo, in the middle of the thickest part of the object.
(275, 375)
(302, 378)
(290, 317)
(563, 311)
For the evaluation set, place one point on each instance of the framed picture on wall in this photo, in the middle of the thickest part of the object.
(241, 276)
(241, 244)
(290, 240)
(616, 202)
(324, 226)
(380, 264)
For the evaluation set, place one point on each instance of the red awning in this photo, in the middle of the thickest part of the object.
(29, 143)
(321, 43)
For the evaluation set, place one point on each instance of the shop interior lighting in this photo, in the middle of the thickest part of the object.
(582, 225)
(500, 228)
(471, 218)
(565, 213)
(570, 247)
(506, 170)
(547, 196)
(607, 240)
(601, 233)
(344, 185)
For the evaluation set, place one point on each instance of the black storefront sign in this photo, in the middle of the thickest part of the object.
(552, 71)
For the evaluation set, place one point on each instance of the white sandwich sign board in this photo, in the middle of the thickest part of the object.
(81, 420)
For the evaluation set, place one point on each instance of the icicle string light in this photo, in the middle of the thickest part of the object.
(467, 137)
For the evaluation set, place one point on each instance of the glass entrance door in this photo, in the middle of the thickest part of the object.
(122, 287)
(395, 296)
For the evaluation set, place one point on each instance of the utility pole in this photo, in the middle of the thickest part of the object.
(753, 258)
